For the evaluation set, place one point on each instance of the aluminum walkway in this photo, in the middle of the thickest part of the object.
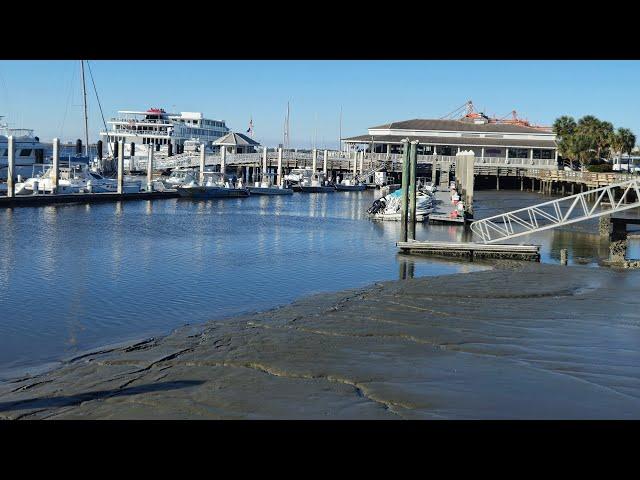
(563, 211)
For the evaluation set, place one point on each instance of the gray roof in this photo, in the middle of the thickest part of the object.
(462, 141)
(457, 125)
(237, 139)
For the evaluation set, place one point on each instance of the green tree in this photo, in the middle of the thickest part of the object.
(623, 141)
(564, 127)
(580, 147)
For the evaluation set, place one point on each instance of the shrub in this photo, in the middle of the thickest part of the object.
(603, 167)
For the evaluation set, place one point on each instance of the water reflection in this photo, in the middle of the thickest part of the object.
(112, 272)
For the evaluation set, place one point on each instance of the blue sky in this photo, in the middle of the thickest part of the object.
(46, 95)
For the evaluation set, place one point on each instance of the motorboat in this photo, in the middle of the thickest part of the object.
(74, 179)
(215, 185)
(389, 206)
(297, 176)
(316, 183)
(350, 184)
(179, 177)
(266, 187)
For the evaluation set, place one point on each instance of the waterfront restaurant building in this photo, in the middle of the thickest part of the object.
(488, 139)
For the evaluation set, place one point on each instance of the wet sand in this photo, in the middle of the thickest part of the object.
(523, 340)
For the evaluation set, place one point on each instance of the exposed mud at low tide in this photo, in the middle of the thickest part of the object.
(527, 341)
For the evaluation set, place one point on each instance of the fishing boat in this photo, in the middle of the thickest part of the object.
(350, 184)
(266, 187)
(215, 185)
(316, 183)
(296, 176)
(389, 207)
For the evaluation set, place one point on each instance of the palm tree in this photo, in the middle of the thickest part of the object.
(580, 146)
(623, 141)
(564, 126)
(627, 140)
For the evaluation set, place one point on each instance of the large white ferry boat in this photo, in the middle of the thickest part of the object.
(166, 133)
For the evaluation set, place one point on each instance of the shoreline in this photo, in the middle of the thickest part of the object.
(465, 345)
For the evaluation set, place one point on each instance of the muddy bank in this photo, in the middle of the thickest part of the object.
(530, 341)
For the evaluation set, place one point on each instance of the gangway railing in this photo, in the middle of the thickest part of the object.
(555, 213)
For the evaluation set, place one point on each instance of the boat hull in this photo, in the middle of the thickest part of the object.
(212, 192)
(270, 191)
(317, 189)
(350, 188)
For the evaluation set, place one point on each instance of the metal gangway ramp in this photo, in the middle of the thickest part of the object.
(555, 213)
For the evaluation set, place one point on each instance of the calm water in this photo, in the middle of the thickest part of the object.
(76, 277)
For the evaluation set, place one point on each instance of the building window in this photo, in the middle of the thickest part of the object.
(25, 152)
(518, 153)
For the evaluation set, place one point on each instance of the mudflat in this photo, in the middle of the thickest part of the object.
(524, 341)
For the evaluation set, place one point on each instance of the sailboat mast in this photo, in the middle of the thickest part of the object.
(340, 139)
(86, 121)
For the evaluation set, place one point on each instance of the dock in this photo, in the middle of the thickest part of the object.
(443, 209)
(472, 250)
(49, 199)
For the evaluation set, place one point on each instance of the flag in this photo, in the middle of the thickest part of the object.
(250, 129)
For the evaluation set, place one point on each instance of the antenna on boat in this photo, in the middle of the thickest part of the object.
(86, 120)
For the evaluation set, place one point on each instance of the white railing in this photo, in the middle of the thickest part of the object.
(555, 213)
(193, 159)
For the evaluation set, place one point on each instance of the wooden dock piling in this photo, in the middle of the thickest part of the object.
(405, 191)
(150, 170)
(55, 173)
(11, 162)
(202, 163)
(413, 166)
(121, 167)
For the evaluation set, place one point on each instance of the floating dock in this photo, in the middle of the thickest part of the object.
(444, 218)
(472, 250)
(49, 199)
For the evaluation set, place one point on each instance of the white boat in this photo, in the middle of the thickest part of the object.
(350, 184)
(75, 179)
(165, 133)
(28, 149)
(316, 183)
(267, 187)
(389, 207)
(179, 177)
(297, 175)
(215, 185)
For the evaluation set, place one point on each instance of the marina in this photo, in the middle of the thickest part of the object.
(173, 264)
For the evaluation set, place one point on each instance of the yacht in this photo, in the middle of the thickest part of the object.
(28, 150)
(215, 185)
(166, 133)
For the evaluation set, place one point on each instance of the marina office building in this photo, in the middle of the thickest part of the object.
(489, 139)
